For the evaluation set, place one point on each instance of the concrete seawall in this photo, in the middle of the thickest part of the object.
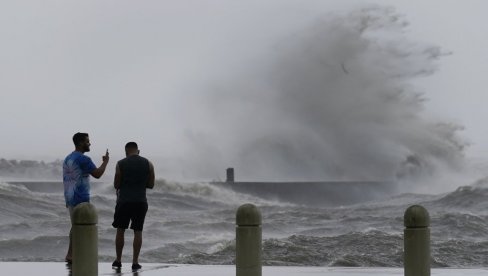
(60, 269)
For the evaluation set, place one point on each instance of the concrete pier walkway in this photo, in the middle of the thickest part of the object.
(60, 269)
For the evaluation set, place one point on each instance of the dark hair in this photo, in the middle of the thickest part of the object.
(79, 137)
(131, 145)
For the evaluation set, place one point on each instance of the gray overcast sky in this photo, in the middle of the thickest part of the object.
(140, 70)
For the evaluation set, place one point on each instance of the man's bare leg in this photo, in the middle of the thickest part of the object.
(119, 243)
(137, 246)
(69, 255)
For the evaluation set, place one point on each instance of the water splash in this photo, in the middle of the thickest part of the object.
(335, 101)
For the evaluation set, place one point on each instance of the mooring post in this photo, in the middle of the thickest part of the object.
(85, 240)
(417, 241)
(248, 241)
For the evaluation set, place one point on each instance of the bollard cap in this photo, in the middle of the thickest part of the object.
(248, 215)
(416, 216)
(85, 214)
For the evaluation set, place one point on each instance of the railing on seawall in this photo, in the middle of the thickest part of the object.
(249, 241)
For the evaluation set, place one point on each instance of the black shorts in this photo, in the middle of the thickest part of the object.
(126, 212)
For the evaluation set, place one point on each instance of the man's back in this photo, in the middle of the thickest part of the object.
(134, 173)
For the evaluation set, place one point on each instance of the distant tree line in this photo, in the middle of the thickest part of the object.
(30, 169)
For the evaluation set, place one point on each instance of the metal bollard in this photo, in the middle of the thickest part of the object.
(417, 241)
(85, 240)
(248, 241)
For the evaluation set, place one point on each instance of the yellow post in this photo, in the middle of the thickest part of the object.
(417, 241)
(248, 241)
(85, 240)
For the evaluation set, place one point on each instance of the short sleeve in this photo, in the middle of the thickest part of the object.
(86, 164)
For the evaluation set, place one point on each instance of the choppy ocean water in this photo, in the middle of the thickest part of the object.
(194, 223)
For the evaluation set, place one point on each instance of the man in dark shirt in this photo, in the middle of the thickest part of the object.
(133, 175)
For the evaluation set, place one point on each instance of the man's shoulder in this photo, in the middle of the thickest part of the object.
(131, 160)
(72, 155)
(122, 160)
(78, 157)
(144, 158)
(83, 157)
(134, 157)
(146, 161)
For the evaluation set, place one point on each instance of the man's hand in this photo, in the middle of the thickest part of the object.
(106, 157)
(98, 172)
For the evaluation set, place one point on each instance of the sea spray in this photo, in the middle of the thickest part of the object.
(334, 101)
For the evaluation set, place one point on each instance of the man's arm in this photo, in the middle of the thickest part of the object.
(98, 172)
(117, 177)
(150, 182)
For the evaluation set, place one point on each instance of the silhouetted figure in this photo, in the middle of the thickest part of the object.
(133, 175)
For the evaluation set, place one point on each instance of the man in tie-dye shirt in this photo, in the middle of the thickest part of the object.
(77, 169)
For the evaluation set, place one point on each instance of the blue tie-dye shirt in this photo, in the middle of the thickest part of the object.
(76, 178)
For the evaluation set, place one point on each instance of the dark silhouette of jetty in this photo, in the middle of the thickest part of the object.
(316, 193)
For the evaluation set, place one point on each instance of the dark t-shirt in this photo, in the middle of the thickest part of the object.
(134, 176)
